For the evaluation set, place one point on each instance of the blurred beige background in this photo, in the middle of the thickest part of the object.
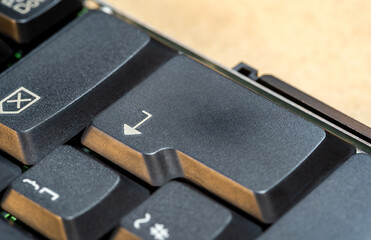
(320, 47)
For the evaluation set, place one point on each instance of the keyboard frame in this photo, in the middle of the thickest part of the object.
(361, 144)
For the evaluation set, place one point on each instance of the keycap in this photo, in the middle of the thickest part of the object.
(69, 195)
(5, 52)
(339, 208)
(178, 211)
(187, 121)
(24, 20)
(8, 172)
(8, 231)
(52, 94)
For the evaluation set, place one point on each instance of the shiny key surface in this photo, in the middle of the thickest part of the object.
(178, 211)
(24, 20)
(339, 208)
(69, 195)
(8, 172)
(188, 121)
(52, 94)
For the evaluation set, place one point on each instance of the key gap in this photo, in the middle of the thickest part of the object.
(222, 202)
(76, 143)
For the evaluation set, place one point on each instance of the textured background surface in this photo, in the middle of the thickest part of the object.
(320, 47)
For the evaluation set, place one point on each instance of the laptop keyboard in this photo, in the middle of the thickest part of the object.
(107, 133)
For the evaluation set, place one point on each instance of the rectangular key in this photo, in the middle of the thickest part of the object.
(8, 172)
(339, 208)
(25, 20)
(178, 211)
(69, 195)
(53, 93)
(187, 121)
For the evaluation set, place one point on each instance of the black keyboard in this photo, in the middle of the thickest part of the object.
(108, 130)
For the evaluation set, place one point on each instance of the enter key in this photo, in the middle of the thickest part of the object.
(187, 121)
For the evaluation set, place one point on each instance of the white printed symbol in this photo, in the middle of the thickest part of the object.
(133, 130)
(139, 221)
(159, 232)
(22, 6)
(32, 183)
(7, 3)
(18, 101)
(54, 195)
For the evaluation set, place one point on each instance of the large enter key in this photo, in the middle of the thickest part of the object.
(187, 121)
(52, 94)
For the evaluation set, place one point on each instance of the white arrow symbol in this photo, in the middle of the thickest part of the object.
(133, 130)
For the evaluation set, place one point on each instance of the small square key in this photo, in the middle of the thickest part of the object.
(24, 20)
(187, 121)
(69, 195)
(178, 211)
